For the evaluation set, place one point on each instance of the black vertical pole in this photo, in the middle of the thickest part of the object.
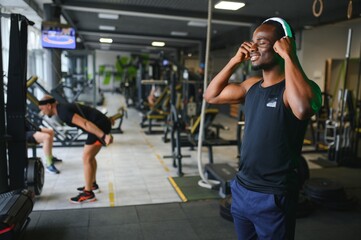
(358, 109)
(16, 103)
(4, 183)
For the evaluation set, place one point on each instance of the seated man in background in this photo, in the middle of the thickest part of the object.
(154, 93)
(44, 136)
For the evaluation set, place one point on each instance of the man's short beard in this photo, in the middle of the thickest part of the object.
(265, 66)
(256, 67)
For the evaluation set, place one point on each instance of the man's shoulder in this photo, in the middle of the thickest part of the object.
(65, 108)
(249, 82)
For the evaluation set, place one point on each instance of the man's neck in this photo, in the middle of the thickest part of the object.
(272, 77)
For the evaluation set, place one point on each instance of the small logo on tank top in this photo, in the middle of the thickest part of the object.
(272, 102)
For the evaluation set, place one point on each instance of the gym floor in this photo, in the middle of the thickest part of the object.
(137, 200)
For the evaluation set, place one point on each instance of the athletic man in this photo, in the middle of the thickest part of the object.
(98, 127)
(277, 108)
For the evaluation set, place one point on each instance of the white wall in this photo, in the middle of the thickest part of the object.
(107, 57)
(322, 43)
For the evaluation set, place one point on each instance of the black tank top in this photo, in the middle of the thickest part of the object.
(272, 141)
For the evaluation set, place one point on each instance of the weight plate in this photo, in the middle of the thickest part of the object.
(35, 175)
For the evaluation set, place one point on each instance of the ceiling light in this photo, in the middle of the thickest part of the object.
(175, 33)
(158, 44)
(108, 16)
(227, 5)
(197, 23)
(107, 28)
(105, 40)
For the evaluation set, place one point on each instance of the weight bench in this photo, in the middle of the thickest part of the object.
(218, 142)
(154, 115)
(159, 112)
(211, 141)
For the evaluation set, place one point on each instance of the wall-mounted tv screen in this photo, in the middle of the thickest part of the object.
(55, 35)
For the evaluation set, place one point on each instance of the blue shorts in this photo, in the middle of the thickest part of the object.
(263, 216)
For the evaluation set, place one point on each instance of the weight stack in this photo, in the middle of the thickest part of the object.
(328, 193)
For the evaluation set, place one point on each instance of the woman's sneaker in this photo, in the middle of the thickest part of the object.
(95, 188)
(86, 196)
(52, 169)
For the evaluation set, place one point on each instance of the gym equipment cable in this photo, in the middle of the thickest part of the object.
(204, 182)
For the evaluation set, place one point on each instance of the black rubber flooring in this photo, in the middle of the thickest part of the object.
(191, 220)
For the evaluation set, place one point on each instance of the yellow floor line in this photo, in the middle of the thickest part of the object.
(151, 146)
(148, 143)
(177, 189)
(162, 162)
(111, 195)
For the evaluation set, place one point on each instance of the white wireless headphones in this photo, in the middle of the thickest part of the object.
(285, 25)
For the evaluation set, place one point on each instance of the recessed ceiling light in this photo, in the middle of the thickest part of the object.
(106, 28)
(227, 5)
(158, 44)
(197, 23)
(108, 16)
(105, 40)
(176, 33)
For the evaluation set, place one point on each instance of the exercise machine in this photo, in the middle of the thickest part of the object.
(159, 111)
(183, 135)
(16, 201)
(342, 128)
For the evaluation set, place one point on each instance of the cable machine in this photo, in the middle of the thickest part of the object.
(18, 173)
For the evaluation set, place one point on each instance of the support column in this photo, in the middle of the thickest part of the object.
(53, 65)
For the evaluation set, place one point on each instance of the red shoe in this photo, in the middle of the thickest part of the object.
(86, 196)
